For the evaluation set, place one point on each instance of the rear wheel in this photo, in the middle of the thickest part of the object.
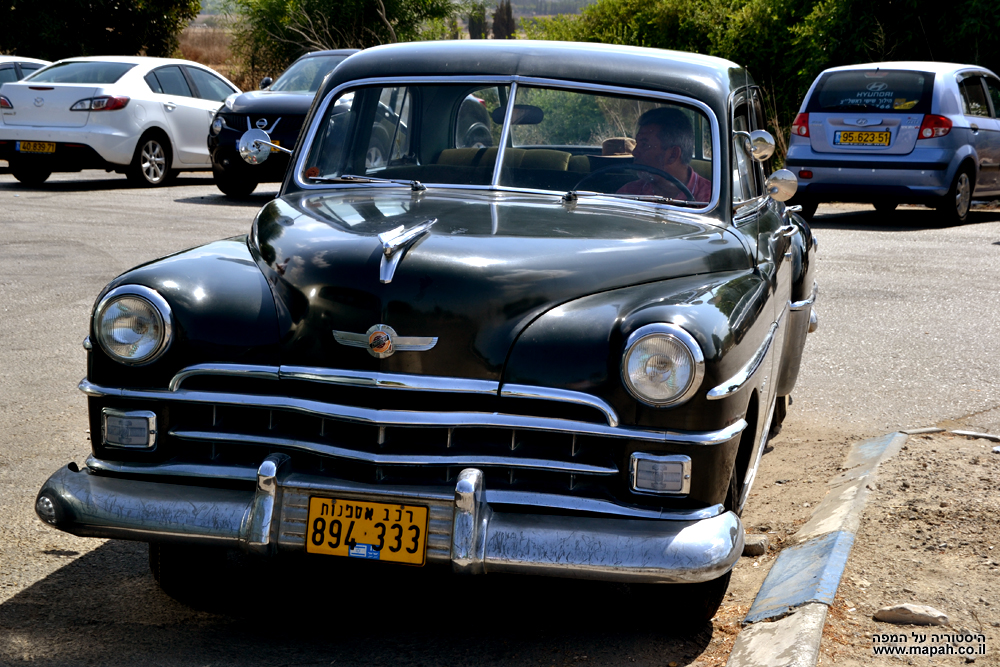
(29, 174)
(953, 208)
(150, 166)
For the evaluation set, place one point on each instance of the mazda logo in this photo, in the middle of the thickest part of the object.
(39, 101)
(261, 123)
(878, 86)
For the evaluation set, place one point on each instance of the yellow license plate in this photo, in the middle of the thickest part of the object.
(374, 531)
(276, 143)
(35, 147)
(861, 138)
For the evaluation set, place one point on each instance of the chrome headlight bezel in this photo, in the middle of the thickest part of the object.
(687, 342)
(217, 125)
(160, 308)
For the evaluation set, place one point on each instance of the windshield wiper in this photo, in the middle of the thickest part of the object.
(416, 186)
(573, 195)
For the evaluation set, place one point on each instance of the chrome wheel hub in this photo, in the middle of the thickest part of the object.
(153, 161)
(963, 195)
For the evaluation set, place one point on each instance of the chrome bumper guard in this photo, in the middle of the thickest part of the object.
(464, 529)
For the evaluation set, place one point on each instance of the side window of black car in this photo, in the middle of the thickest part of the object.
(973, 96)
(170, 81)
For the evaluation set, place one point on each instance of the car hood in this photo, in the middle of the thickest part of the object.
(266, 101)
(489, 266)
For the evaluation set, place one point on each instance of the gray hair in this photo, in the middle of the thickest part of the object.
(675, 129)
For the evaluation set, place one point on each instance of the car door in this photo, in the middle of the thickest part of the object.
(186, 116)
(985, 133)
(763, 220)
(993, 94)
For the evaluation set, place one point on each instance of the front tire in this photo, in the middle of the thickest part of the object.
(953, 208)
(186, 573)
(232, 185)
(150, 166)
(684, 605)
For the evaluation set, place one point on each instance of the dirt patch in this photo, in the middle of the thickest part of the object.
(930, 535)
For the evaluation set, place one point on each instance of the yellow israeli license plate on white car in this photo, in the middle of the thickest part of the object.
(35, 147)
(360, 529)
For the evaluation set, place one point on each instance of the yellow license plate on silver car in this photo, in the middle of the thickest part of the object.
(854, 138)
(35, 147)
(360, 529)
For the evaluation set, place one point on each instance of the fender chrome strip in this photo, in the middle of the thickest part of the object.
(737, 382)
(410, 418)
(228, 370)
(805, 303)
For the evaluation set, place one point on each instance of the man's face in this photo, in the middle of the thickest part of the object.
(649, 150)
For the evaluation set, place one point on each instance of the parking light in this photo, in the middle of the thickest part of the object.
(102, 103)
(934, 126)
(800, 126)
(5, 103)
(651, 473)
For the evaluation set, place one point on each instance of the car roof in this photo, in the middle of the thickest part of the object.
(705, 78)
(921, 65)
(134, 60)
(330, 52)
(21, 59)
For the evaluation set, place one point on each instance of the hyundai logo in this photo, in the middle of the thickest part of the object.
(877, 86)
(39, 101)
(862, 121)
(261, 123)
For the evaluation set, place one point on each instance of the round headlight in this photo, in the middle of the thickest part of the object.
(133, 324)
(216, 125)
(663, 365)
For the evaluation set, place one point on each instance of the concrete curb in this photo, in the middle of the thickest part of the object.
(801, 585)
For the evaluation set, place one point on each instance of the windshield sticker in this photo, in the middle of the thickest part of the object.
(903, 103)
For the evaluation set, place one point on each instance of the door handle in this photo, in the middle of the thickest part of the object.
(975, 128)
(170, 106)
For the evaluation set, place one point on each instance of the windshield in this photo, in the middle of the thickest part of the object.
(81, 72)
(305, 74)
(893, 91)
(559, 140)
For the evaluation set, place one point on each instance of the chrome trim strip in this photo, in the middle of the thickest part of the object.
(407, 418)
(737, 382)
(229, 370)
(805, 303)
(552, 501)
(561, 395)
(514, 80)
(389, 380)
(172, 469)
(456, 461)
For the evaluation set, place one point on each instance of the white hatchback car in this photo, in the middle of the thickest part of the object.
(144, 117)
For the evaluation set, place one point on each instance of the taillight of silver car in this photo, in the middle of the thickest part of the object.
(103, 103)
(5, 103)
(800, 126)
(933, 127)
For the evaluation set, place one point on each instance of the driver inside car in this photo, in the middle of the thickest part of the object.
(664, 141)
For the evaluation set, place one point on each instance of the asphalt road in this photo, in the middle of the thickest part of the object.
(907, 313)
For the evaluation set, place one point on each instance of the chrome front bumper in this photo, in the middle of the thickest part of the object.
(463, 528)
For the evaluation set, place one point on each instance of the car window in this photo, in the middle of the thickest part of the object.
(7, 74)
(993, 86)
(894, 91)
(973, 96)
(169, 81)
(210, 87)
(28, 68)
(81, 72)
(305, 75)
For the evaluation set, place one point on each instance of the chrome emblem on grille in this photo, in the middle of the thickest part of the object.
(39, 101)
(261, 123)
(382, 341)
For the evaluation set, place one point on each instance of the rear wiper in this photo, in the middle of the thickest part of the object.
(416, 186)
(573, 195)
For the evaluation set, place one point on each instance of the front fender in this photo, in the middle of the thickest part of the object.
(222, 312)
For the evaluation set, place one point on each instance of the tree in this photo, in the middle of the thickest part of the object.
(504, 26)
(57, 29)
(478, 26)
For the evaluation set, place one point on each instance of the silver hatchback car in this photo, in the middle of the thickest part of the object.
(899, 132)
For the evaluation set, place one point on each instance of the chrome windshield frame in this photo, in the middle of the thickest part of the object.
(513, 81)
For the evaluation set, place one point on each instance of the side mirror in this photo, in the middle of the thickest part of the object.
(255, 146)
(781, 185)
(265, 82)
(759, 144)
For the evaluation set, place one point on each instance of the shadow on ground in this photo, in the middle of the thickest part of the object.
(89, 184)
(256, 200)
(104, 608)
(904, 218)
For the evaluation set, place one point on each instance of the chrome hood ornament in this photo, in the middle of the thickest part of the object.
(382, 340)
(394, 246)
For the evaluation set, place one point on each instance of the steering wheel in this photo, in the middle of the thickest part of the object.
(638, 167)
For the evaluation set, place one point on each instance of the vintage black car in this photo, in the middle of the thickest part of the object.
(279, 108)
(558, 351)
